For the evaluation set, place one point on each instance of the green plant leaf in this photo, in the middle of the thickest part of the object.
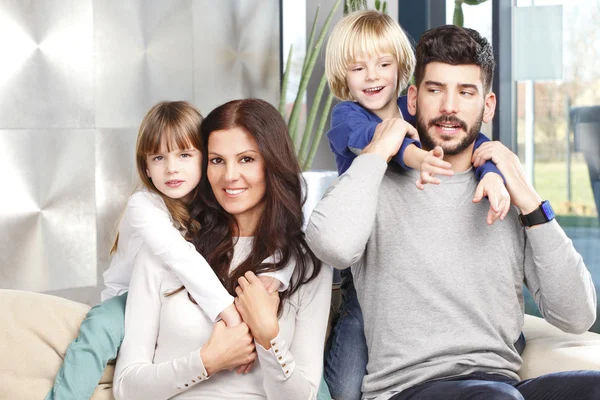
(310, 122)
(311, 40)
(319, 132)
(312, 54)
(384, 8)
(284, 82)
(473, 2)
(458, 18)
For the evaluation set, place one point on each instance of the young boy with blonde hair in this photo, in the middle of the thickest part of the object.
(369, 61)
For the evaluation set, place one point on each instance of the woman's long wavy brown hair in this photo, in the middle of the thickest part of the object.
(279, 229)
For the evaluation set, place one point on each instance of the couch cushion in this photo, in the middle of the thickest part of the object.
(35, 332)
(550, 350)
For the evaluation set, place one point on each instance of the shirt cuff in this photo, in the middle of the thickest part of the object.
(197, 372)
(277, 359)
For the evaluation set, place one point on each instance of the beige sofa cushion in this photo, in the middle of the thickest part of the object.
(35, 332)
(550, 350)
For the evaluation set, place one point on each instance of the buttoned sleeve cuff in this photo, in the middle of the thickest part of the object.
(278, 360)
(195, 373)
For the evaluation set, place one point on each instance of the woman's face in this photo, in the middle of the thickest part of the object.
(236, 172)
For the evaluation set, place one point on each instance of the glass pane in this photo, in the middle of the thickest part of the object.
(562, 157)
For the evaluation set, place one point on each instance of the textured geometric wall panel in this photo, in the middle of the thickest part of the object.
(144, 54)
(46, 72)
(229, 60)
(48, 215)
(76, 78)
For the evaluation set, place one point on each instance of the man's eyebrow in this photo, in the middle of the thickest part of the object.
(435, 83)
(468, 86)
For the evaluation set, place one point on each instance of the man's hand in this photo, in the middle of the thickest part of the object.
(388, 137)
(433, 164)
(522, 194)
(492, 186)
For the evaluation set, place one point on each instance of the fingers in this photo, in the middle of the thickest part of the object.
(439, 153)
(419, 184)
(251, 277)
(505, 206)
(411, 131)
(478, 193)
(427, 177)
(243, 282)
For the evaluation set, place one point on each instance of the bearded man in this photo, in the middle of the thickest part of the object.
(440, 289)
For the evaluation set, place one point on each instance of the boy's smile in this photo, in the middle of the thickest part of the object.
(373, 83)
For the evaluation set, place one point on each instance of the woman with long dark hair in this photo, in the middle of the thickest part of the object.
(250, 214)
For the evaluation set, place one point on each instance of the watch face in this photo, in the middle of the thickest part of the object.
(548, 211)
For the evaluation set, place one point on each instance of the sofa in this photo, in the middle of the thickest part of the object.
(36, 330)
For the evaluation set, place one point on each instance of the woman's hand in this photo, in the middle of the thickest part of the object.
(258, 308)
(227, 348)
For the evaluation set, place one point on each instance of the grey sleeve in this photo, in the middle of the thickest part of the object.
(341, 223)
(558, 279)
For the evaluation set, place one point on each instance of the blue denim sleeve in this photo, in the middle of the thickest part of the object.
(489, 166)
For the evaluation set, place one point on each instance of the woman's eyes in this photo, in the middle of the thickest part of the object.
(219, 160)
(186, 155)
(157, 158)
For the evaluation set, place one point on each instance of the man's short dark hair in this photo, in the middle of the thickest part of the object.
(454, 45)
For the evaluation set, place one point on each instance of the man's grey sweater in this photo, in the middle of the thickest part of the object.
(440, 290)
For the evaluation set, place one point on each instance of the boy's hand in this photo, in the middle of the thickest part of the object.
(492, 186)
(271, 284)
(433, 164)
(388, 137)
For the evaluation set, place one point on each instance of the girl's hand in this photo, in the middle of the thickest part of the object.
(433, 164)
(258, 308)
(492, 186)
(227, 348)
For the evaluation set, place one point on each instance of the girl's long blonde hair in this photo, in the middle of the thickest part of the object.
(177, 125)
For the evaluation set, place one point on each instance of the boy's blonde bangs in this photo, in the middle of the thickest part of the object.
(365, 34)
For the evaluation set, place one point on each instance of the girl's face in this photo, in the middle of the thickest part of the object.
(236, 172)
(175, 173)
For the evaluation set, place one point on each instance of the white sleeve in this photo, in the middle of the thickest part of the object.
(293, 371)
(136, 377)
(283, 275)
(156, 229)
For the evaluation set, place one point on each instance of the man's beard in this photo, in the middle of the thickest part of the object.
(427, 140)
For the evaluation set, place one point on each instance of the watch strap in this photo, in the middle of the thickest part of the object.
(544, 213)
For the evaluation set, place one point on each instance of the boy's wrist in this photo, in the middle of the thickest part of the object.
(413, 156)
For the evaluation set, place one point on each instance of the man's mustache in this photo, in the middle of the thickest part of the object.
(448, 120)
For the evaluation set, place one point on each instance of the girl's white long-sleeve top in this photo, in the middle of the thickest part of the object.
(160, 356)
(147, 221)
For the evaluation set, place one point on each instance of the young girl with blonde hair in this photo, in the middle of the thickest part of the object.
(169, 155)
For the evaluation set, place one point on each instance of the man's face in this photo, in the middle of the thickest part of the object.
(450, 105)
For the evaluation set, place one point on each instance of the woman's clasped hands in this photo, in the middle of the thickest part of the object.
(233, 347)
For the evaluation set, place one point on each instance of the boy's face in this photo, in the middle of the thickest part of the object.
(373, 83)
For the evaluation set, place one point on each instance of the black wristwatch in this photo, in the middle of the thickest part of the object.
(544, 213)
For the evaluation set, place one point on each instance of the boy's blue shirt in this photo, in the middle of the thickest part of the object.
(353, 126)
